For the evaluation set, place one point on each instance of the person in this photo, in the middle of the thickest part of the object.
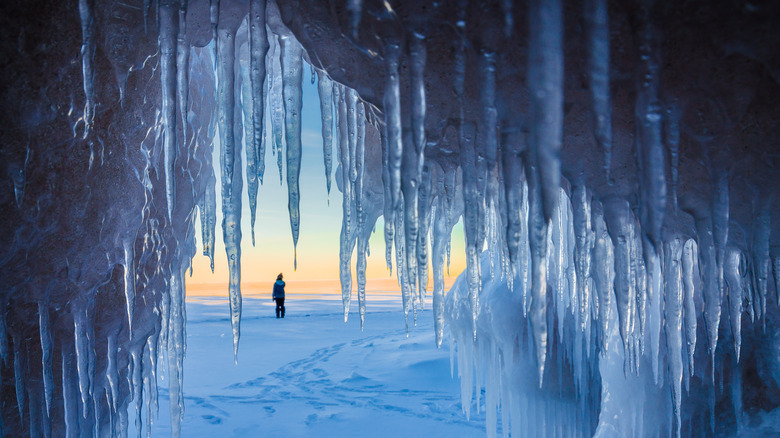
(278, 296)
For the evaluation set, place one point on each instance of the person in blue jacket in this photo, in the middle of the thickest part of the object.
(278, 296)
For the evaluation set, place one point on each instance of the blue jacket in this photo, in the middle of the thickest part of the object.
(278, 289)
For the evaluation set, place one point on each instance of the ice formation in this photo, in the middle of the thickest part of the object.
(614, 166)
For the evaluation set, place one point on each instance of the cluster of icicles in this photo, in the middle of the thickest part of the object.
(574, 259)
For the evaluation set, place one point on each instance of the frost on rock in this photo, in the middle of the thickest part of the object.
(616, 175)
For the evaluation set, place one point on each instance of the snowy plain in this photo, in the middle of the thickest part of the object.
(312, 375)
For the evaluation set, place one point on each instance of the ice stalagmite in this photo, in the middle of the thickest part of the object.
(620, 224)
(603, 272)
(545, 87)
(392, 107)
(325, 89)
(733, 278)
(583, 250)
(690, 269)
(232, 182)
(86, 14)
(258, 49)
(471, 199)
(47, 349)
(169, 29)
(647, 114)
(673, 309)
(597, 31)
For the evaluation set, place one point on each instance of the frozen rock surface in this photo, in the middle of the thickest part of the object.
(618, 161)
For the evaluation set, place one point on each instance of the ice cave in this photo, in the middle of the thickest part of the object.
(615, 164)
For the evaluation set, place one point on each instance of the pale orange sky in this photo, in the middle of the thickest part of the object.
(320, 226)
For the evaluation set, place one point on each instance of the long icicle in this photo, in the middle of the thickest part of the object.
(231, 181)
(292, 82)
(258, 46)
(86, 14)
(169, 29)
(325, 89)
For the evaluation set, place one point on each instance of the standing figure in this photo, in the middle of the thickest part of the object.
(278, 296)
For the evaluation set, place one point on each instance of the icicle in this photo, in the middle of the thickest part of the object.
(112, 374)
(672, 136)
(137, 389)
(545, 85)
(584, 247)
(603, 272)
(712, 290)
(673, 303)
(619, 222)
(169, 30)
(489, 114)
(47, 349)
(690, 270)
(82, 359)
(232, 182)
(597, 31)
(355, 8)
(537, 237)
(70, 403)
(387, 204)
(410, 188)
(441, 232)
(514, 181)
(650, 154)
(183, 69)
(392, 107)
(348, 235)
(292, 81)
(252, 159)
(129, 267)
(325, 88)
(352, 102)
(362, 247)
(424, 215)
(418, 55)
(276, 100)
(360, 153)
(209, 215)
(733, 279)
(214, 19)
(176, 338)
(86, 14)
(471, 199)
(761, 259)
(258, 46)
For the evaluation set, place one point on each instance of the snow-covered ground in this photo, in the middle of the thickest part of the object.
(312, 375)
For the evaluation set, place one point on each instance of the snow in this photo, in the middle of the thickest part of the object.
(311, 374)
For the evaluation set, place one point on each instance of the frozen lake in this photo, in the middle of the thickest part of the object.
(312, 375)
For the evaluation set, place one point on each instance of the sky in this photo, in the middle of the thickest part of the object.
(320, 226)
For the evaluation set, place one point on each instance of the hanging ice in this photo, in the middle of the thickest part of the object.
(325, 88)
(258, 46)
(292, 80)
(169, 29)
